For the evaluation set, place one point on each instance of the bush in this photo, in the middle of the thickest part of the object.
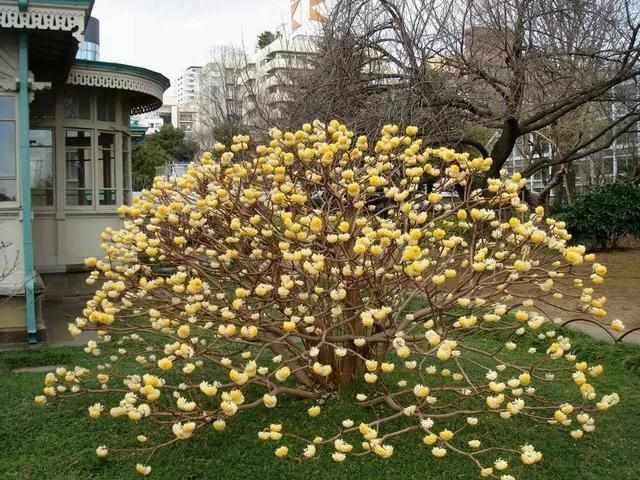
(602, 217)
(317, 262)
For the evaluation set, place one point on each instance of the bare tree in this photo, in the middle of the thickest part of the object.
(482, 74)
(220, 112)
(242, 93)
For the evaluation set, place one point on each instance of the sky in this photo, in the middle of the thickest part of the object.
(170, 35)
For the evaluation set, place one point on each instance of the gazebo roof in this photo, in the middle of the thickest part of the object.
(145, 87)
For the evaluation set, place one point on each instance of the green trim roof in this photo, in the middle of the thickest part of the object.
(125, 69)
(143, 97)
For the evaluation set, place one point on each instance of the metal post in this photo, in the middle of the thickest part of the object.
(25, 187)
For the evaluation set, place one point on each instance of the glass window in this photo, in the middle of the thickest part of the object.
(106, 106)
(42, 167)
(77, 105)
(43, 106)
(8, 178)
(7, 108)
(126, 170)
(79, 171)
(106, 169)
(125, 113)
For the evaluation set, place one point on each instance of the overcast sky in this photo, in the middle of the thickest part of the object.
(170, 35)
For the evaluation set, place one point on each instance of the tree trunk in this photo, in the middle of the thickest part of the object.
(504, 146)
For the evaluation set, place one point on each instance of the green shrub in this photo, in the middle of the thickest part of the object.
(602, 217)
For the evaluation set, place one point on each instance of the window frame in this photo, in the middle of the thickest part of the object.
(91, 207)
(54, 189)
(13, 204)
(117, 176)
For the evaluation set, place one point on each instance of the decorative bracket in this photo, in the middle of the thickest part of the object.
(38, 18)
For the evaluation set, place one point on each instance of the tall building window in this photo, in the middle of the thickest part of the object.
(42, 167)
(8, 177)
(106, 169)
(79, 168)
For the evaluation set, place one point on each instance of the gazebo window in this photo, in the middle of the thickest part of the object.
(106, 107)
(8, 178)
(106, 169)
(79, 167)
(126, 170)
(77, 105)
(42, 167)
(43, 107)
(125, 113)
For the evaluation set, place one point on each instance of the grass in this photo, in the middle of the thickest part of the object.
(58, 442)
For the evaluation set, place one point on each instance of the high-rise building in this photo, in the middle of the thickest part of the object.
(271, 74)
(188, 86)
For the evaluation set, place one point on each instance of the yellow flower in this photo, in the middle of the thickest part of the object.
(439, 452)
(525, 379)
(219, 425)
(387, 367)
(411, 131)
(421, 391)
(538, 236)
(314, 411)
(353, 189)
(411, 253)
(430, 439)
(283, 373)
(370, 377)
(316, 225)
(90, 262)
(165, 364)
(183, 331)
(143, 470)
(573, 257)
(270, 401)
(208, 389)
(96, 410)
(617, 326)
(434, 198)
(282, 452)
(289, 326)
(439, 234)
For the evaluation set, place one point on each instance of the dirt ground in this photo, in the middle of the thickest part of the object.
(622, 289)
(622, 286)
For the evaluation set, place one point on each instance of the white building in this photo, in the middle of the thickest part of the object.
(188, 86)
(153, 121)
(270, 75)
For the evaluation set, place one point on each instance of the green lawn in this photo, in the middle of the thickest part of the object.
(59, 441)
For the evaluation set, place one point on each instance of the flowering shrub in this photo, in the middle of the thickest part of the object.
(294, 268)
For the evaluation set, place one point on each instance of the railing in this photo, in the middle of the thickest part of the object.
(172, 170)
